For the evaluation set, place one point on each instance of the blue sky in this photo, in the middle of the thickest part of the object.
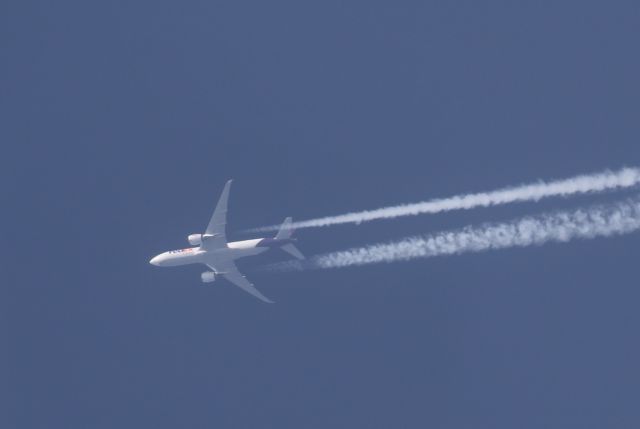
(122, 121)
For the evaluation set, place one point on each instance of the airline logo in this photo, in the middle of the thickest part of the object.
(181, 251)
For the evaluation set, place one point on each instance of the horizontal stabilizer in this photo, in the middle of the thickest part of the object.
(293, 250)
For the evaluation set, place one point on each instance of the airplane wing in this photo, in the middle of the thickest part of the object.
(215, 235)
(229, 271)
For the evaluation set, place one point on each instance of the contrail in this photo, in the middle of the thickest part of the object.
(598, 221)
(599, 182)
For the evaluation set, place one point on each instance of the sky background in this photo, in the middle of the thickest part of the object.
(122, 120)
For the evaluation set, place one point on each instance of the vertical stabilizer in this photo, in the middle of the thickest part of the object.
(285, 231)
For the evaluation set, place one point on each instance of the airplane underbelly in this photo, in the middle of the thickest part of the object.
(182, 260)
(240, 249)
(245, 244)
(256, 250)
(250, 251)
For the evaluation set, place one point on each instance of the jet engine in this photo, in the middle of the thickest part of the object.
(195, 239)
(208, 277)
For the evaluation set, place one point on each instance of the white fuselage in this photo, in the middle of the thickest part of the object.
(196, 255)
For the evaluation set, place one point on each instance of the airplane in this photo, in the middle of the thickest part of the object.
(213, 250)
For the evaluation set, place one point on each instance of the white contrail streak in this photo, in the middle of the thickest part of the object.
(598, 221)
(599, 182)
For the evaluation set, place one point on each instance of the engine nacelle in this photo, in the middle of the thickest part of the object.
(195, 239)
(208, 277)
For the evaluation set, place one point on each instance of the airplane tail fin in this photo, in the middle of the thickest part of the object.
(285, 233)
(285, 230)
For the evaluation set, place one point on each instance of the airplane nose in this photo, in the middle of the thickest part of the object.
(155, 261)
